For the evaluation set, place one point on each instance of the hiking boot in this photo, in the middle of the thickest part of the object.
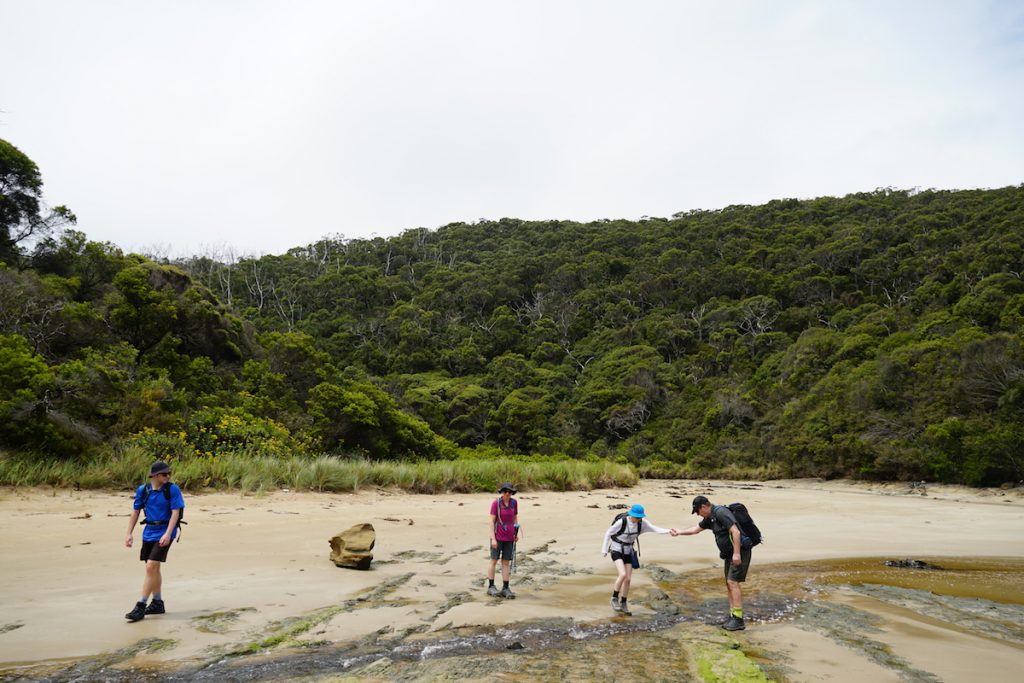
(507, 593)
(734, 624)
(616, 605)
(155, 607)
(492, 590)
(138, 613)
(624, 609)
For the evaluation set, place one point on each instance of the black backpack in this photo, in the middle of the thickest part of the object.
(621, 517)
(747, 527)
(167, 496)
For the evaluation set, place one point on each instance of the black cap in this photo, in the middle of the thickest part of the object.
(159, 467)
(506, 487)
(699, 502)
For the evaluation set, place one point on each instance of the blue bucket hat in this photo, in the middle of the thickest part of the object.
(637, 511)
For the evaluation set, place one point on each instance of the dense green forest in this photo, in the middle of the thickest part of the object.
(876, 335)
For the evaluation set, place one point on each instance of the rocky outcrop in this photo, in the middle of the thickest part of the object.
(911, 564)
(352, 547)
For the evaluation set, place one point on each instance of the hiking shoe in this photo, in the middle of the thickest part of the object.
(138, 613)
(625, 610)
(616, 605)
(492, 591)
(507, 593)
(155, 607)
(734, 624)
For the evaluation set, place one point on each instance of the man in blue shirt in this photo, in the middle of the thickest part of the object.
(163, 504)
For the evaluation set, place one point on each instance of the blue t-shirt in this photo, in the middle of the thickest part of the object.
(158, 508)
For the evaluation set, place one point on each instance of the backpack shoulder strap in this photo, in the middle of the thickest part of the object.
(146, 490)
(714, 511)
(622, 528)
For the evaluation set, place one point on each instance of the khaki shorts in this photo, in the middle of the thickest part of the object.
(738, 573)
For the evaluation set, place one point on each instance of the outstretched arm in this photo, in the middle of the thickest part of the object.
(688, 532)
(647, 527)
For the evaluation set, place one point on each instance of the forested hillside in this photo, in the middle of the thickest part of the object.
(874, 335)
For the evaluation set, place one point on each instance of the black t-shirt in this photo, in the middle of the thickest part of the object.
(720, 521)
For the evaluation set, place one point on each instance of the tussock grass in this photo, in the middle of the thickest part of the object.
(665, 470)
(129, 466)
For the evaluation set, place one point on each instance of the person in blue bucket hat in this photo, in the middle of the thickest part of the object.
(621, 540)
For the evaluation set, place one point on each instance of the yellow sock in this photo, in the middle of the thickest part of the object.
(736, 612)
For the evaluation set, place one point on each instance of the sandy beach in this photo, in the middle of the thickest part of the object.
(249, 561)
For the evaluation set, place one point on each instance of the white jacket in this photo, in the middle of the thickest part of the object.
(629, 536)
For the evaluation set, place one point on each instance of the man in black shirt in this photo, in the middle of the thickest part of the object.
(721, 521)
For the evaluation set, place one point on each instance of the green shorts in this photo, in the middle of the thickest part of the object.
(738, 573)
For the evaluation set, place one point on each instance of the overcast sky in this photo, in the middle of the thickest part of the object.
(199, 125)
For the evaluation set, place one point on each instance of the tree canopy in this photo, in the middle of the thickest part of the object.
(21, 206)
(872, 335)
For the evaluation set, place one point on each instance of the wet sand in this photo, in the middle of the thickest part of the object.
(249, 563)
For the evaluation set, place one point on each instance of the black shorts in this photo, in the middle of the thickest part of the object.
(152, 550)
(504, 551)
(630, 559)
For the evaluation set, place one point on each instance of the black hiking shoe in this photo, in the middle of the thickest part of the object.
(624, 609)
(734, 624)
(137, 614)
(507, 593)
(492, 590)
(155, 607)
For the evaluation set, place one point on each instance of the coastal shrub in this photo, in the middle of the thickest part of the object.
(166, 446)
(231, 430)
(359, 416)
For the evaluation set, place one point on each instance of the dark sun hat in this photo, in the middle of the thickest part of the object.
(506, 487)
(159, 467)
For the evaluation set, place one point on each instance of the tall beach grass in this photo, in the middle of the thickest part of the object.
(129, 466)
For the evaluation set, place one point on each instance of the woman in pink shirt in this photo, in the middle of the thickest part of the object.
(504, 531)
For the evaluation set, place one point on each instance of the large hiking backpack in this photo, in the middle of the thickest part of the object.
(167, 496)
(747, 527)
